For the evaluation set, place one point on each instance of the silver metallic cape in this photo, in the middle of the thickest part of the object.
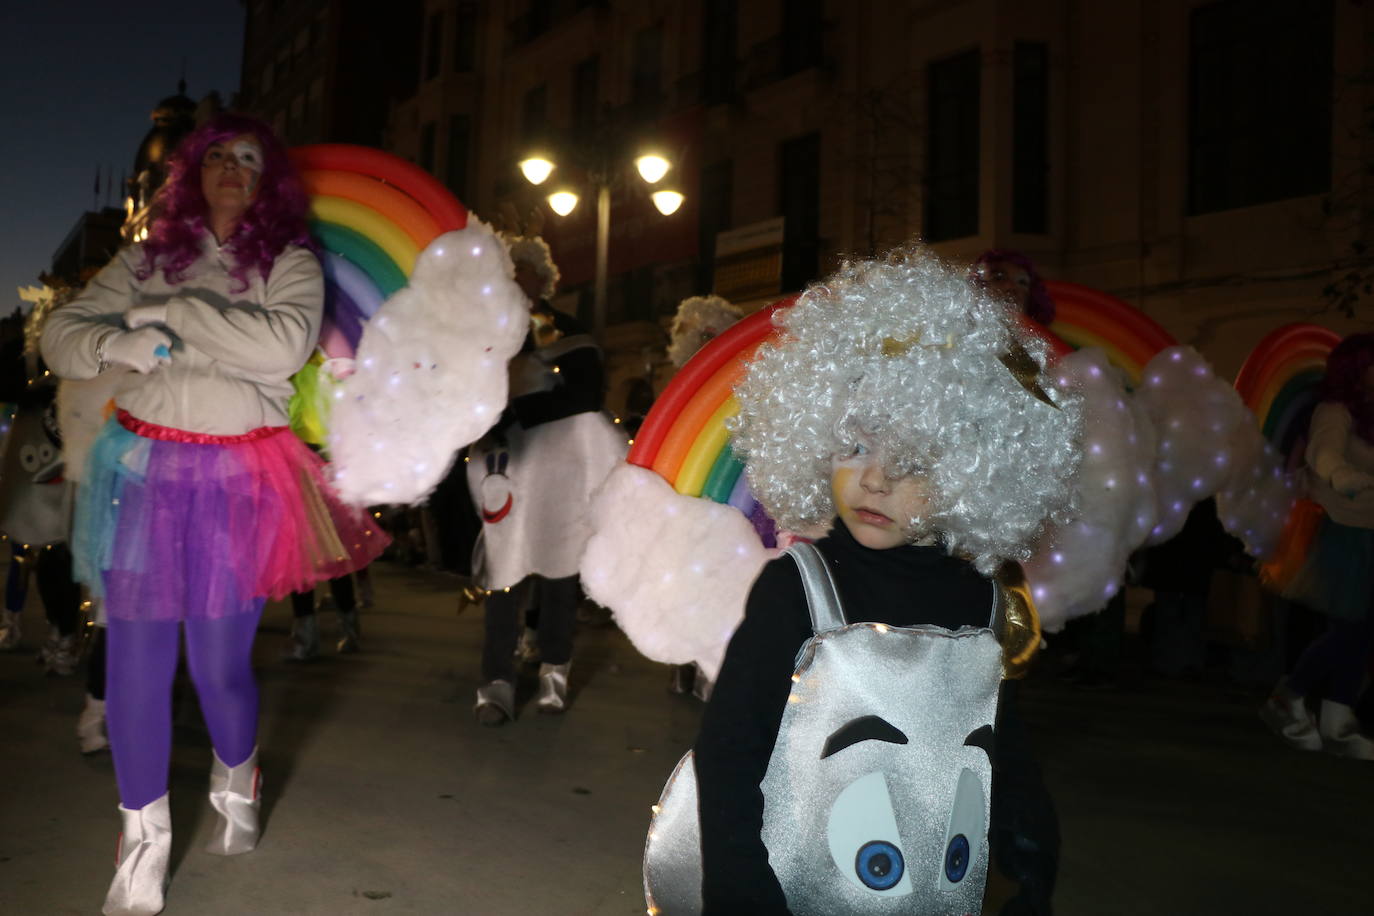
(873, 826)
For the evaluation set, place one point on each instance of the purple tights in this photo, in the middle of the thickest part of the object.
(142, 661)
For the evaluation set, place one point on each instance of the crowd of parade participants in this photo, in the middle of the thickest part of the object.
(905, 435)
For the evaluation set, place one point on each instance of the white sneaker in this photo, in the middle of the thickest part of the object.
(90, 727)
(1340, 732)
(1288, 718)
(59, 657)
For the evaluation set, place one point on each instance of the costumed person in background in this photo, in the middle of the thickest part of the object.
(304, 644)
(699, 320)
(36, 507)
(197, 502)
(532, 477)
(1012, 277)
(855, 756)
(1337, 578)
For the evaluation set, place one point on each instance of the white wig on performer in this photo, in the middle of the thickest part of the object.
(699, 320)
(908, 352)
(534, 252)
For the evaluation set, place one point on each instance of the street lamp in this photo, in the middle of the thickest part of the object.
(651, 167)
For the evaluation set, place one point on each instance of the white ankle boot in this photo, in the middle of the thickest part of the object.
(145, 848)
(495, 703)
(234, 795)
(90, 727)
(1340, 732)
(1288, 717)
(553, 687)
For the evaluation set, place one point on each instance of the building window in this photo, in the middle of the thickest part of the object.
(647, 73)
(719, 32)
(427, 147)
(534, 117)
(586, 95)
(1030, 137)
(538, 18)
(459, 142)
(434, 44)
(717, 194)
(465, 39)
(1259, 113)
(800, 203)
(801, 35)
(952, 148)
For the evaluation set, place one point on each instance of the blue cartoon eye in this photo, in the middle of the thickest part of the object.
(491, 463)
(956, 859)
(502, 462)
(879, 865)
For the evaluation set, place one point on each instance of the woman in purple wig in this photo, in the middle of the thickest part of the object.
(1012, 276)
(1338, 576)
(197, 502)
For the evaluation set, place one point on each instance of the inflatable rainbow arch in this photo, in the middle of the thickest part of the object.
(372, 213)
(684, 438)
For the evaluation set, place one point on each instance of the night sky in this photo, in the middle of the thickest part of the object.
(77, 83)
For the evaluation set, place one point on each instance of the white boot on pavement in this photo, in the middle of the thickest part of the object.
(234, 794)
(1287, 716)
(145, 849)
(90, 727)
(1340, 732)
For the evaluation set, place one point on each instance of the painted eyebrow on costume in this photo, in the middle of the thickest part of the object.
(864, 728)
(981, 737)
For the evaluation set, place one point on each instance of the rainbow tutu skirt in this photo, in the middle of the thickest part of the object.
(171, 524)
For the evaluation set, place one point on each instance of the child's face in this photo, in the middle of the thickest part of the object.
(880, 511)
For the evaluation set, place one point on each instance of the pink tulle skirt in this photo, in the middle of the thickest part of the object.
(171, 524)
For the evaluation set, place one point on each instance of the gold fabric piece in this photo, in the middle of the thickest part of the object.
(1025, 370)
(1018, 622)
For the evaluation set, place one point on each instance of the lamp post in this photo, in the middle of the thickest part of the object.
(651, 168)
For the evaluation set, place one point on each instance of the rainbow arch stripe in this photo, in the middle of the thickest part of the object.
(1279, 382)
(372, 213)
(1086, 317)
(684, 439)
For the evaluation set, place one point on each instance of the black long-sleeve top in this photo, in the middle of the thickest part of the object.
(903, 586)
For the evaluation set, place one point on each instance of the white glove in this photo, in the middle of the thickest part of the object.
(143, 315)
(143, 350)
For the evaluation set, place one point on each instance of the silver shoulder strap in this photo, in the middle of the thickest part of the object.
(995, 617)
(822, 598)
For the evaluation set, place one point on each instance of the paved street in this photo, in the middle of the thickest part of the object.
(382, 796)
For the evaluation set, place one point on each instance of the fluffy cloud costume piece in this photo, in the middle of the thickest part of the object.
(1150, 457)
(431, 370)
(1077, 567)
(676, 570)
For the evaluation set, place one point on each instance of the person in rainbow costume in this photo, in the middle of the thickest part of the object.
(846, 762)
(197, 502)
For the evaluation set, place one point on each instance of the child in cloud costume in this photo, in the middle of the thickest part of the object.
(862, 752)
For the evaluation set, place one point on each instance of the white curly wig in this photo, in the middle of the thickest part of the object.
(534, 251)
(698, 320)
(907, 352)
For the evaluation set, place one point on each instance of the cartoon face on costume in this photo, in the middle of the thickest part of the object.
(878, 794)
(35, 503)
(496, 495)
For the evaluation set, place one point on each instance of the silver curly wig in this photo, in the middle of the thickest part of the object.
(534, 251)
(908, 353)
(698, 320)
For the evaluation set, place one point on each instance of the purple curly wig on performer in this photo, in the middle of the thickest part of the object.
(276, 217)
(1345, 381)
(1039, 305)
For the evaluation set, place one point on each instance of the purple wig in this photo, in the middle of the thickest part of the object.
(1344, 382)
(1039, 305)
(276, 218)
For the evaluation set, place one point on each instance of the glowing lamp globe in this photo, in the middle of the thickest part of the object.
(652, 168)
(667, 202)
(563, 202)
(536, 169)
